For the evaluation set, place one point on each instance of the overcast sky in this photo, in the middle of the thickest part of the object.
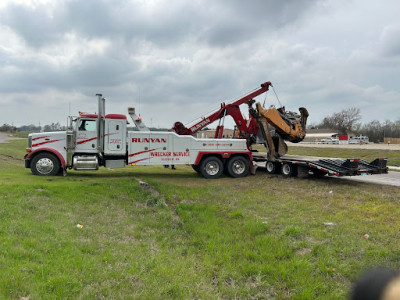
(177, 60)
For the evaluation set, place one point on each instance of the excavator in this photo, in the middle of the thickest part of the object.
(270, 127)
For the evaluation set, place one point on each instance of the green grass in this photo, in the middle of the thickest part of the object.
(259, 237)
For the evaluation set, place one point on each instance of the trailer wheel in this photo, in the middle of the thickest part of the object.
(271, 167)
(45, 164)
(287, 170)
(238, 166)
(211, 167)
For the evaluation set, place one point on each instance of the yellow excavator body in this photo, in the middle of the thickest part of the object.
(290, 127)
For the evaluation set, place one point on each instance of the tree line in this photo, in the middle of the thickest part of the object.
(345, 121)
(32, 128)
(348, 120)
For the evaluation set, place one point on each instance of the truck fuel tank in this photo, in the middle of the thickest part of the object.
(85, 162)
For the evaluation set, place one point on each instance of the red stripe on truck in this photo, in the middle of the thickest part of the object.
(137, 153)
(224, 154)
(40, 137)
(85, 141)
(43, 143)
(95, 138)
(134, 162)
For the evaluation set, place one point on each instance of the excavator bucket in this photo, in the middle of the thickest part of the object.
(280, 146)
(303, 117)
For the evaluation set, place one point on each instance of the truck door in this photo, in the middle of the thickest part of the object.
(86, 138)
(114, 140)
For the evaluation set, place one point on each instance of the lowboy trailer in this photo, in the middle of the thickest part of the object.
(302, 166)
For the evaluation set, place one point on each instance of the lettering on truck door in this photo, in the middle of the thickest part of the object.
(161, 153)
(114, 139)
(182, 149)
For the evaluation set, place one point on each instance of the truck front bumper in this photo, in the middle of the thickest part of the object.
(27, 162)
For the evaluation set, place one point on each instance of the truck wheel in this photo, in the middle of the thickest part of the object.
(270, 167)
(287, 170)
(45, 164)
(211, 167)
(238, 166)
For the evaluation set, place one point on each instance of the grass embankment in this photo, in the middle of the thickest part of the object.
(258, 237)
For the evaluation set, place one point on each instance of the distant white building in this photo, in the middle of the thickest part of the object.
(227, 133)
(316, 135)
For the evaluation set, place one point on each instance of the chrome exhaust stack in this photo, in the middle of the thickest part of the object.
(100, 123)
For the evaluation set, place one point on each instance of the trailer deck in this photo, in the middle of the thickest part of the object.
(301, 165)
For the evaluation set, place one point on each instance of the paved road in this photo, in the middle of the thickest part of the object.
(392, 178)
(4, 137)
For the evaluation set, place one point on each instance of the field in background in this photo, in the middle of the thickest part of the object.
(185, 237)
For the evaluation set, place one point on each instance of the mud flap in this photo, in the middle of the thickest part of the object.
(302, 171)
(253, 168)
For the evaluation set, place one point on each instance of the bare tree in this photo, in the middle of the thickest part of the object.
(377, 131)
(343, 121)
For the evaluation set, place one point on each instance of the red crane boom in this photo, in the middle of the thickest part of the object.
(246, 127)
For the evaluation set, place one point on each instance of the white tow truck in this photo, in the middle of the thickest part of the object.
(94, 140)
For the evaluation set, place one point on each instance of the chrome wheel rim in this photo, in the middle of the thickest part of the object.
(212, 168)
(44, 165)
(238, 167)
(286, 169)
(270, 166)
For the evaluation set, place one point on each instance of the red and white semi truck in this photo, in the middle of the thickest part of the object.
(94, 140)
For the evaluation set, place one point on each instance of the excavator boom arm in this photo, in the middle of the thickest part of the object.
(257, 129)
(231, 109)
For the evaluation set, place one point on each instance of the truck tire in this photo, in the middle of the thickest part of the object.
(211, 167)
(288, 170)
(271, 167)
(45, 164)
(238, 166)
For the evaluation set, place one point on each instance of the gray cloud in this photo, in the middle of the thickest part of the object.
(187, 57)
(390, 41)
